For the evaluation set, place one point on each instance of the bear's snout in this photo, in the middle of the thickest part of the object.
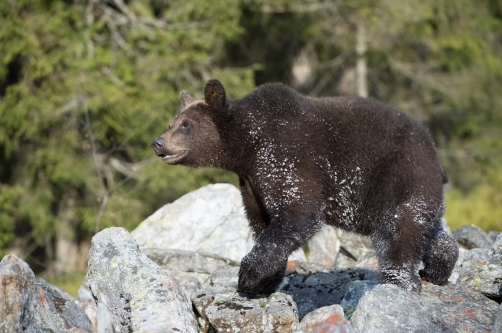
(157, 145)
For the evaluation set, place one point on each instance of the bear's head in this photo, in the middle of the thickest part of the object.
(193, 138)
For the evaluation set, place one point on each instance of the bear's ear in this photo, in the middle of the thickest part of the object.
(214, 94)
(185, 98)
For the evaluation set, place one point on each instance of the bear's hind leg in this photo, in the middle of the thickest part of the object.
(440, 258)
(399, 249)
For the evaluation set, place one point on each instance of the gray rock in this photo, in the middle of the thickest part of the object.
(86, 302)
(190, 268)
(210, 219)
(320, 315)
(472, 236)
(18, 298)
(355, 290)
(313, 290)
(458, 266)
(497, 325)
(223, 277)
(481, 269)
(354, 251)
(323, 248)
(223, 309)
(493, 234)
(139, 293)
(334, 324)
(104, 319)
(388, 308)
(460, 307)
(58, 314)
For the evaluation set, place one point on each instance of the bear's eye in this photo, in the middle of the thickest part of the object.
(186, 124)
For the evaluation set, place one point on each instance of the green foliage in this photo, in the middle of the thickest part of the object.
(482, 206)
(84, 89)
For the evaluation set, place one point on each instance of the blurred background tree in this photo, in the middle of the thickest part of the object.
(85, 85)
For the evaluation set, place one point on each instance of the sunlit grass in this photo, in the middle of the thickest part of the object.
(482, 206)
(69, 282)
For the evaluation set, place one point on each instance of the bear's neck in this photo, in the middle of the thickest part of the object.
(237, 152)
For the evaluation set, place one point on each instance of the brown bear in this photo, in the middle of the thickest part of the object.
(303, 162)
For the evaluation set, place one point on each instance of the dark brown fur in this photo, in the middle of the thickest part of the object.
(303, 162)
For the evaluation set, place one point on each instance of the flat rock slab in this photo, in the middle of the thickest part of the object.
(140, 294)
(388, 308)
(210, 219)
(190, 268)
(461, 307)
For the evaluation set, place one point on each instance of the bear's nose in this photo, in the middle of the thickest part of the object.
(158, 143)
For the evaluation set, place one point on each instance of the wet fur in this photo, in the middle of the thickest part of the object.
(303, 162)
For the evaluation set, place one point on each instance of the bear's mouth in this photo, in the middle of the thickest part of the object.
(173, 158)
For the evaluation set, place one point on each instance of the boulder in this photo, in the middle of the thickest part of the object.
(221, 308)
(460, 307)
(497, 325)
(471, 237)
(190, 268)
(58, 314)
(210, 219)
(481, 269)
(355, 251)
(320, 315)
(139, 294)
(32, 305)
(18, 297)
(388, 308)
(333, 324)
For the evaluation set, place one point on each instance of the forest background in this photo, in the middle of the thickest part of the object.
(85, 85)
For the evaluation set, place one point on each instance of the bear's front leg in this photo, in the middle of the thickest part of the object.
(263, 268)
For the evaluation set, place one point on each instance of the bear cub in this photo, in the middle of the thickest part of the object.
(303, 162)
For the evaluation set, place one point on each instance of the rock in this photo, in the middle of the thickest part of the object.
(223, 309)
(355, 290)
(190, 268)
(497, 325)
(86, 302)
(104, 319)
(18, 298)
(139, 293)
(481, 269)
(58, 314)
(320, 315)
(460, 307)
(313, 290)
(323, 248)
(226, 311)
(334, 324)
(388, 308)
(355, 250)
(458, 266)
(210, 219)
(493, 235)
(472, 236)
